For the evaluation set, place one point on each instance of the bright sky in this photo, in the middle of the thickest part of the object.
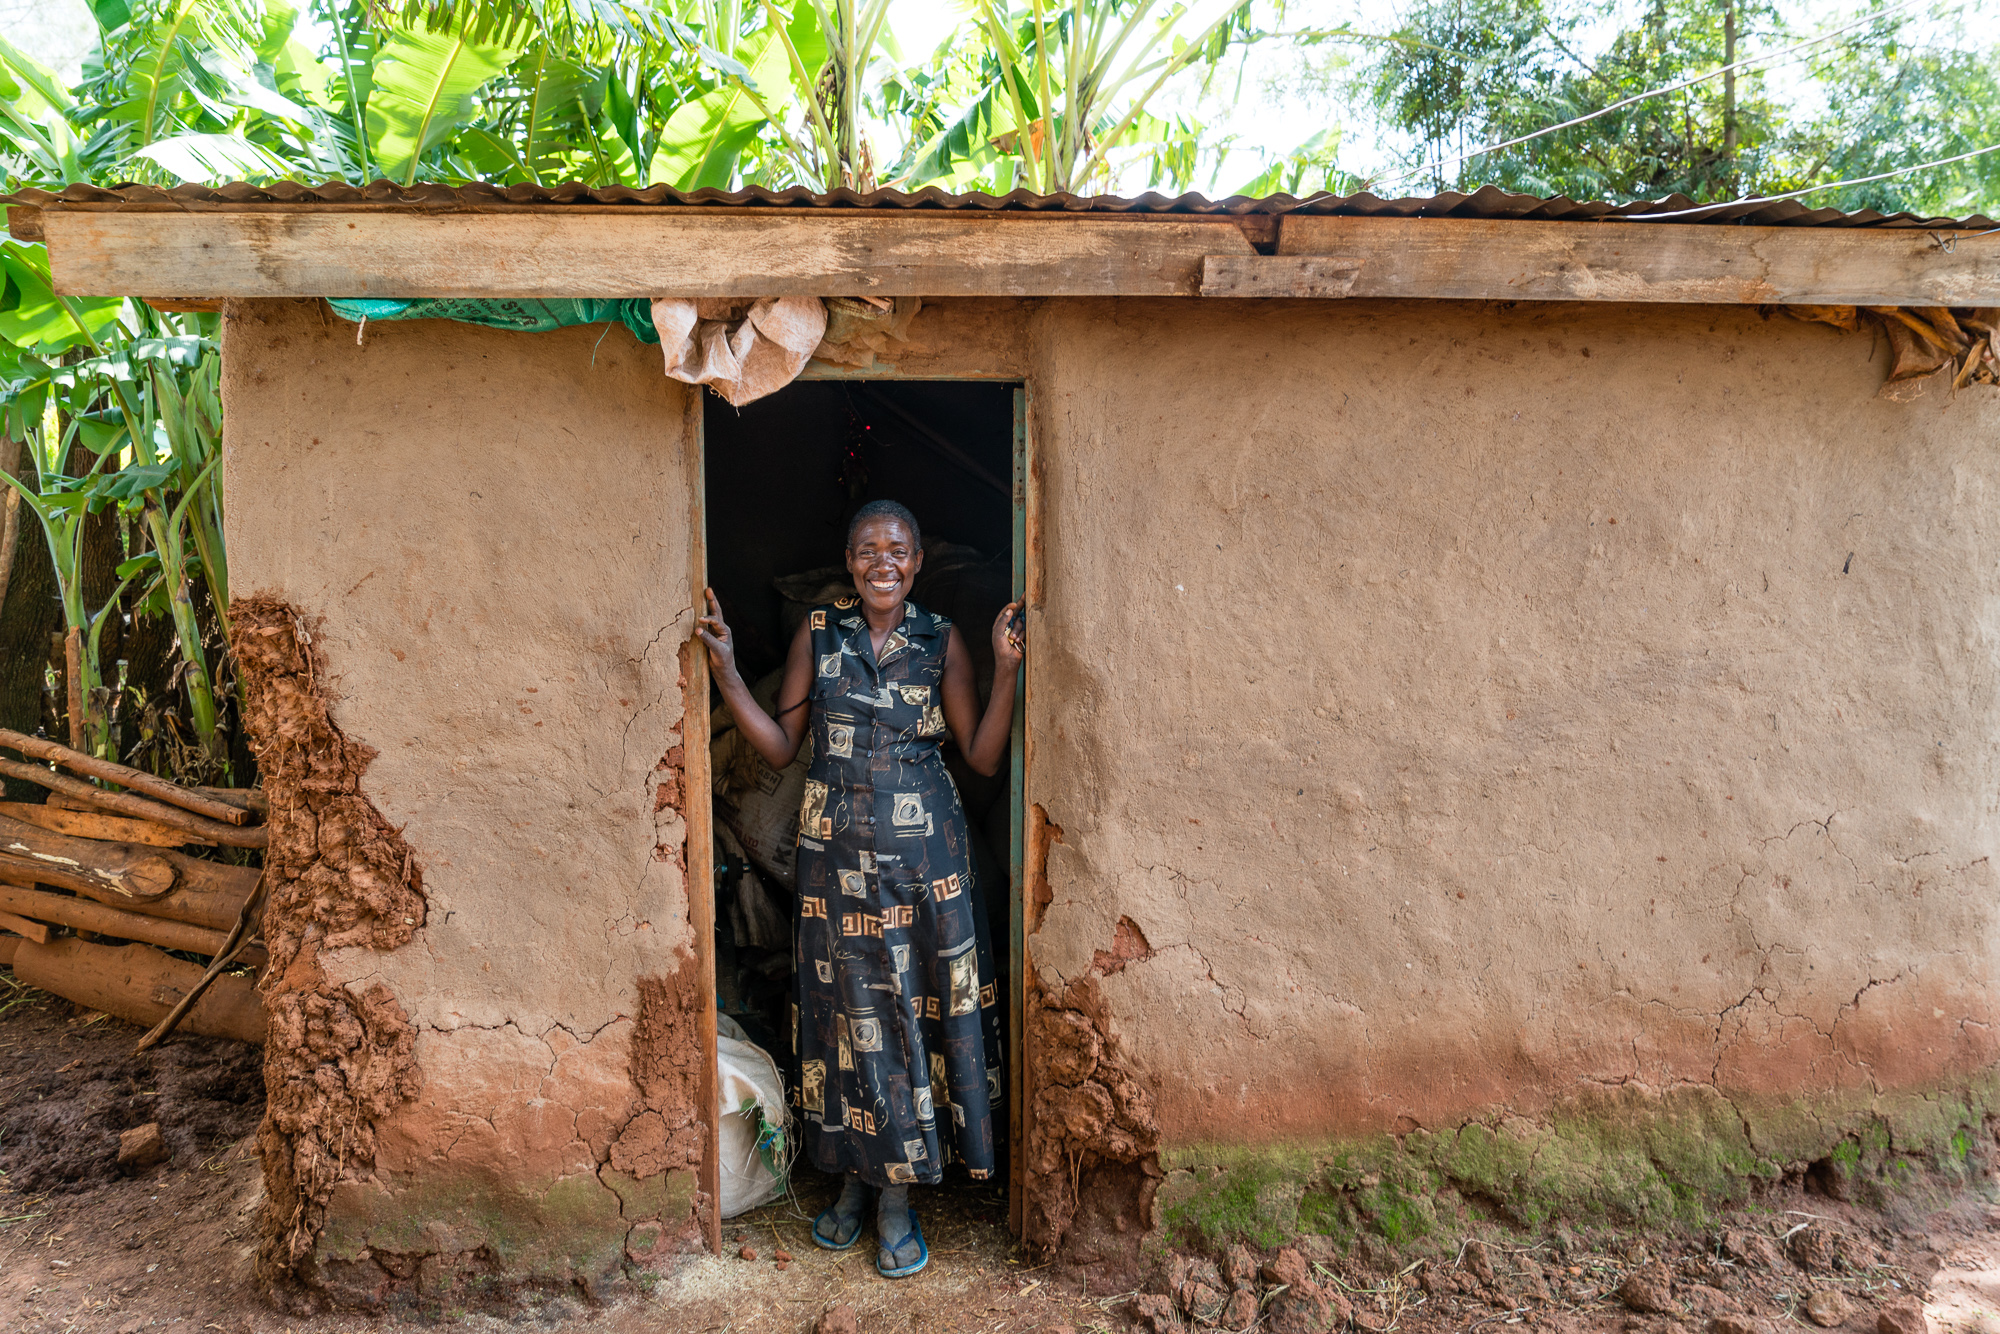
(1273, 98)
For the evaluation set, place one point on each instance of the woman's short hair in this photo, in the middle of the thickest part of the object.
(884, 509)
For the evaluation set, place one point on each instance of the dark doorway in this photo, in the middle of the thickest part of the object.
(782, 477)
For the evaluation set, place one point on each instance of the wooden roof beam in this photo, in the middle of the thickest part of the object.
(559, 252)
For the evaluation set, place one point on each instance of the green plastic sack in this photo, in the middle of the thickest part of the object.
(524, 316)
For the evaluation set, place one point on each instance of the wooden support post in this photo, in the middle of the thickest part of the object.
(697, 797)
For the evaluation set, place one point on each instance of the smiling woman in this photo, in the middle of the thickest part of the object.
(895, 1014)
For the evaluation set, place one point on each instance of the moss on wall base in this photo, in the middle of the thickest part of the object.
(1624, 1155)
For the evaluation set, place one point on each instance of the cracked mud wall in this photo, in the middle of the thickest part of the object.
(336, 876)
(1574, 723)
(488, 532)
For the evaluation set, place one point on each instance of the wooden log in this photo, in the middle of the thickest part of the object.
(129, 871)
(205, 894)
(252, 799)
(18, 870)
(124, 803)
(8, 945)
(94, 823)
(140, 984)
(89, 915)
(152, 785)
(21, 926)
(209, 902)
(73, 682)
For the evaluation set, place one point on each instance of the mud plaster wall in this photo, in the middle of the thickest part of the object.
(1479, 712)
(1392, 785)
(491, 531)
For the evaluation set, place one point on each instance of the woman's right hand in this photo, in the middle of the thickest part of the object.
(714, 632)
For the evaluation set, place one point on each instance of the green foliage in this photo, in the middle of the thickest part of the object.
(1893, 91)
(610, 92)
(704, 138)
(423, 86)
(137, 391)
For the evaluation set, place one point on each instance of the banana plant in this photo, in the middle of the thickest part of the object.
(706, 137)
(173, 454)
(144, 401)
(1078, 79)
(851, 32)
(424, 90)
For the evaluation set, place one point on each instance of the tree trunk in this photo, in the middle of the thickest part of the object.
(30, 611)
(1729, 135)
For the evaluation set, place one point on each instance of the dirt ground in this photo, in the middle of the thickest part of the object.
(86, 1246)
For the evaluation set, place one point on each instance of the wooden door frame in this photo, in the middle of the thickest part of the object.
(697, 809)
(697, 789)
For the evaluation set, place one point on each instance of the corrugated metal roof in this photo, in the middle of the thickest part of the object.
(1488, 202)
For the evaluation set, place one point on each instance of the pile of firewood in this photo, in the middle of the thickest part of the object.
(94, 892)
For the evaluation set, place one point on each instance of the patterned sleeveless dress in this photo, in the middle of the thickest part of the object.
(895, 1019)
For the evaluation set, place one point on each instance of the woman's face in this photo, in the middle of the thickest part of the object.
(884, 560)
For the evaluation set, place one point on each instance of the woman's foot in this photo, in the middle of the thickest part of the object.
(839, 1226)
(903, 1251)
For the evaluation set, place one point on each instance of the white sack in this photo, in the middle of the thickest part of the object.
(746, 1071)
(742, 355)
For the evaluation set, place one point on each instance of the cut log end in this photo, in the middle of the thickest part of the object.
(148, 878)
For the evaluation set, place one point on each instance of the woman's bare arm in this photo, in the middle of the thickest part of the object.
(776, 739)
(982, 737)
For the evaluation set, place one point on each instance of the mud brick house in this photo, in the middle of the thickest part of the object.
(1512, 713)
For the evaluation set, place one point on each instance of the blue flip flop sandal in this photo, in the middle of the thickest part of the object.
(825, 1245)
(923, 1252)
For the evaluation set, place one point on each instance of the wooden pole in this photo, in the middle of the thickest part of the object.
(239, 936)
(96, 825)
(125, 775)
(85, 915)
(73, 674)
(124, 803)
(21, 926)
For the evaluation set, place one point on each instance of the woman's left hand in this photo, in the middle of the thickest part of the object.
(1010, 641)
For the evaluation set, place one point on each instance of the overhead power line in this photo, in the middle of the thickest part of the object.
(1863, 22)
(1810, 189)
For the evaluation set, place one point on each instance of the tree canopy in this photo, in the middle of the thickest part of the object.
(1819, 95)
